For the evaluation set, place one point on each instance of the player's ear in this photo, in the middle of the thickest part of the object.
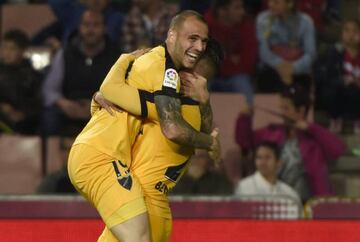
(172, 35)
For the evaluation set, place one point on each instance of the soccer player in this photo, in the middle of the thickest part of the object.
(100, 158)
(155, 175)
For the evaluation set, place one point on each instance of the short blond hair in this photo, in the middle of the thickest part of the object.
(179, 19)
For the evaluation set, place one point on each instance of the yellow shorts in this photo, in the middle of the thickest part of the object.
(106, 183)
(160, 230)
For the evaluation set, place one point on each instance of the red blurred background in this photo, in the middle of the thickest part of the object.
(187, 230)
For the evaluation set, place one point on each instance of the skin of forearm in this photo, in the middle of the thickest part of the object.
(206, 117)
(176, 128)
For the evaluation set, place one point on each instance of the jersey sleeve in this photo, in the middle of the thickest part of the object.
(166, 81)
(148, 107)
(169, 82)
(116, 90)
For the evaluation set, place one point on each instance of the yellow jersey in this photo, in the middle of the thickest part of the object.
(159, 163)
(153, 72)
(156, 161)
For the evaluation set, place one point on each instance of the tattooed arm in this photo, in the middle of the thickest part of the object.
(176, 129)
(206, 117)
(194, 86)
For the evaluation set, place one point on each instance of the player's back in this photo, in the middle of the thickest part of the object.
(112, 135)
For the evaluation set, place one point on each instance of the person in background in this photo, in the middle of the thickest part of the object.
(146, 24)
(306, 146)
(265, 180)
(202, 179)
(235, 30)
(337, 75)
(76, 73)
(199, 6)
(20, 96)
(287, 46)
(69, 12)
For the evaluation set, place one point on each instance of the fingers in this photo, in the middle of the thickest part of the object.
(215, 132)
(140, 52)
(108, 109)
(97, 97)
(215, 153)
(186, 83)
(215, 156)
(186, 75)
(144, 51)
(116, 108)
(186, 91)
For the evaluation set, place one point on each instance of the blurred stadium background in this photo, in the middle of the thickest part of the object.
(30, 212)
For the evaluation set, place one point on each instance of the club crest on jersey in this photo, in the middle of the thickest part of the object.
(124, 178)
(171, 78)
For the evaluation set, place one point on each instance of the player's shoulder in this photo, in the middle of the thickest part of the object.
(155, 58)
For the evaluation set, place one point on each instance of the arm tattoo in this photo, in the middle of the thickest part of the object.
(171, 121)
(206, 117)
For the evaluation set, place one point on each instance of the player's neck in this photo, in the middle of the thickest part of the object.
(171, 50)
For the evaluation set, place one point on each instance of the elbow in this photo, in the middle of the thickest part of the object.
(171, 132)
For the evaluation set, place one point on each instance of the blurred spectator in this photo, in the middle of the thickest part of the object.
(229, 24)
(338, 78)
(76, 73)
(20, 96)
(326, 17)
(287, 46)
(253, 7)
(315, 9)
(50, 36)
(122, 6)
(265, 180)
(305, 146)
(56, 183)
(199, 6)
(318, 10)
(333, 8)
(147, 24)
(202, 179)
(69, 14)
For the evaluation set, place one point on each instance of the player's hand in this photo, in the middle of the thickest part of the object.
(108, 106)
(194, 86)
(140, 52)
(215, 152)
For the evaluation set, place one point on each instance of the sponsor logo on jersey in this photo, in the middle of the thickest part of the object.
(171, 78)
